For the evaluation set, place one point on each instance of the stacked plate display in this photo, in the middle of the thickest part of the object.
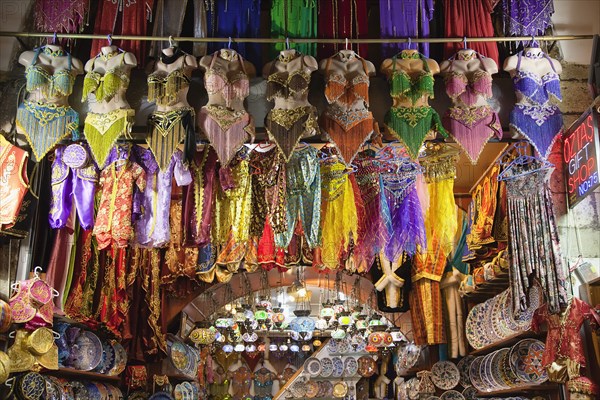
(493, 320)
(509, 367)
(57, 388)
(184, 358)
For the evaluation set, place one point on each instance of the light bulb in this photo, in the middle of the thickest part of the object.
(302, 292)
(228, 307)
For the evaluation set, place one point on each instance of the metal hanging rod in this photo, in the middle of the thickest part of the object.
(293, 40)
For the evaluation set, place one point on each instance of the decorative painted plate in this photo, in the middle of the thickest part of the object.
(86, 353)
(312, 366)
(470, 393)
(161, 396)
(412, 388)
(496, 368)
(120, 359)
(332, 346)
(534, 297)
(298, 389)
(326, 367)
(452, 395)
(338, 367)
(179, 356)
(463, 369)
(408, 356)
(340, 389)
(526, 361)
(474, 374)
(350, 366)
(474, 326)
(343, 346)
(312, 389)
(328, 388)
(366, 366)
(322, 389)
(358, 343)
(445, 375)
(483, 372)
(108, 358)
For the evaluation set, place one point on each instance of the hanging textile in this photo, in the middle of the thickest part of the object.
(62, 16)
(294, 19)
(405, 19)
(168, 21)
(134, 17)
(470, 18)
(13, 182)
(526, 17)
(342, 19)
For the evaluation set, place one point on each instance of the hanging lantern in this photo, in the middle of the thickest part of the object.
(278, 317)
(224, 321)
(321, 324)
(338, 307)
(303, 324)
(327, 312)
(306, 347)
(344, 319)
(317, 343)
(361, 322)
(204, 334)
(228, 348)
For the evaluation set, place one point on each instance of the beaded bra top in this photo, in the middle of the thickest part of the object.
(532, 88)
(163, 87)
(347, 91)
(285, 83)
(405, 86)
(52, 83)
(468, 89)
(235, 87)
(106, 86)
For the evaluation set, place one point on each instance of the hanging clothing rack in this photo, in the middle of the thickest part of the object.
(293, 40)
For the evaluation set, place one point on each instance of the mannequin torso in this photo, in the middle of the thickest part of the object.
(174, 61)
(291, 63)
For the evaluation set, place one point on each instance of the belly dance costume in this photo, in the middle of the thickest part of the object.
(74, 179)
(303, 188)
(534, 116)
(286, 127)
(46, 124)
(412, 124)
(226, 129)
(169, 128)
(347, 121)
(339, 222)
(471, 125)
(13, 182)
(102, 130)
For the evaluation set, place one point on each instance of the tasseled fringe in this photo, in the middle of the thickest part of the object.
(541, 137)
(412, 135)
(473, 139)
(101, 141)
(163, 140)
(44, 125)
(226, 143)
(348, 142)
(286, 138)
(336, 92)
(165, 93)
(408, 227)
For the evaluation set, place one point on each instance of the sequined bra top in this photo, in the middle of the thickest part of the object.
(52, 84)
(339, 88)
(404, 86)
(288, 84)
(532, 88)
(235, 87)
(106, 86)
(468, 89)
(32, 302)
(164, 87)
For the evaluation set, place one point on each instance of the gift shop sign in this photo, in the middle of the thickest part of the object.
(580, 155)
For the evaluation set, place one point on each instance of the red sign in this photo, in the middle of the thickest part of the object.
(580, 155)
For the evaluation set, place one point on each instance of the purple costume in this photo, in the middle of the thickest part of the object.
(400, 19)
(406, 225)
(526, 17)
(152, 229)
(70, 184)
(534, 116)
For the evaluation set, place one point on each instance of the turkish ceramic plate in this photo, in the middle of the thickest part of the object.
(312, 366)
(31, 386)
(474, 326)
(312, 389)
(338, 367)
(445, 375)
(340, 389)
(343, 346)
(350, 366)
(326, 367)
(179, 356)
(328, 391)
(496, 368)
(483, 372)
(525, 317)
(322, 389)
(358, 343)
(108, 358)
(408, 355)
(161, 396)
(526, 361)
(94, 392)
(120, 359)
(298, 389)
(452, 395)
(366, 366)
(332, 346)
(470, 393)
(412, 388)
(86, 353)
(474, 375)
(463, 369)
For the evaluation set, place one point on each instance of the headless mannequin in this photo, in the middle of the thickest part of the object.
(186, 61)
(300, 60)
(227, 60)
(51, 64)
(390, 282)
(412, 67)
(539, 66)
(343, 63)
(125, 63)
(382, 382)
(467, 63)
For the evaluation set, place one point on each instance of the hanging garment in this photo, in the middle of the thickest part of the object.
(167, 129)
(199, 198)
(533, 241)
(164, 87)
(72, 184)
(101, 131)
(169, 16)
(226, 129)
(133, 17)
(237, 18)
(46, 124)
(534, 115)
(342, 19)
(339, 222)
(117, 180)
(406, 227)
(376, 233)
(470, 125)
(105, 86)
(485, 198)
(152, 228)
(470, 18)
(526, 17)
(13, 182)
(400, 18)
(564, 352)
(412, 124)
(62, 16)
(393, 283)
(303, 187)
(297, 19)
(347, 120)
